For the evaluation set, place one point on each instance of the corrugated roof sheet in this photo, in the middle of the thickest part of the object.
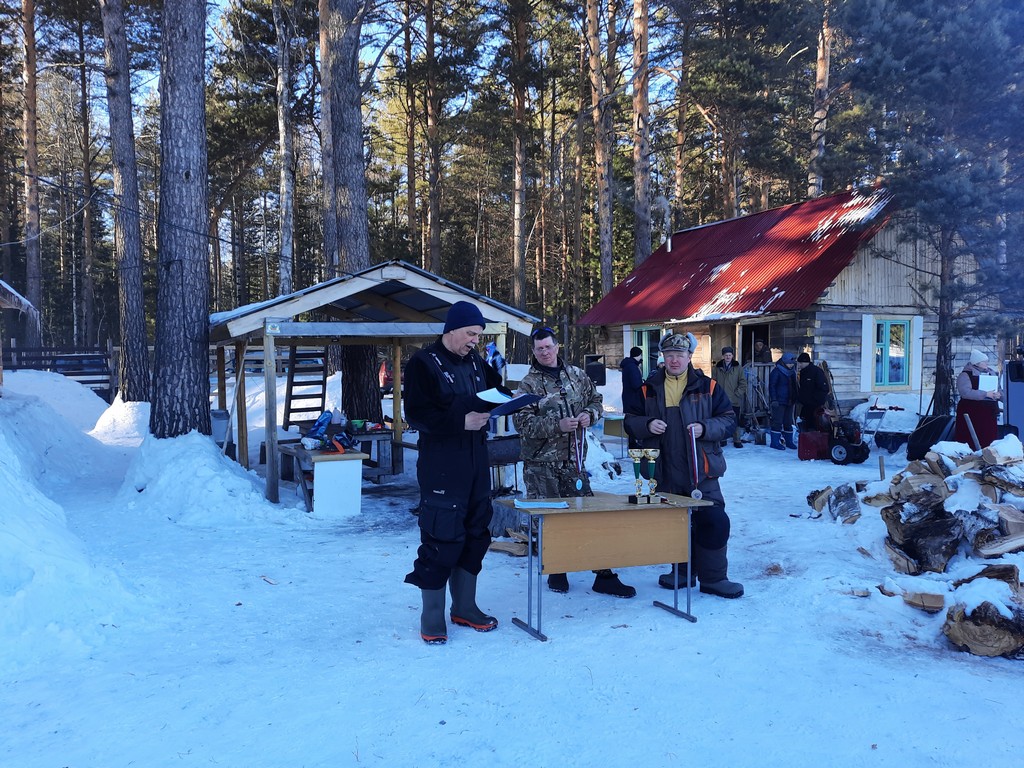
(774, 261)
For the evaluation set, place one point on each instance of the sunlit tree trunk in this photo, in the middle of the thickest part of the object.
(33, 263)
(820, 117)
(181, 382)
(343, 20)
(133, 364)
(641, 137)
(286, 151)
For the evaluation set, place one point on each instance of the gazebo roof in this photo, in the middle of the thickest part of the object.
(11, 299)
(387, 300)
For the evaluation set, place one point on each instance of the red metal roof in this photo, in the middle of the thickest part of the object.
(774, 261)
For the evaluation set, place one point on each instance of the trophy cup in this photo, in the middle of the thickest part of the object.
(652, 455)
(639, 455)
(636, 454)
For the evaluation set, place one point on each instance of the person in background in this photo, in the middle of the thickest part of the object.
(632, 384)
(782, 396)
(552, 432)
(981, 405)
(812, 392)
(761, 354)
(729, 375)
(679, 397)
(441, 384)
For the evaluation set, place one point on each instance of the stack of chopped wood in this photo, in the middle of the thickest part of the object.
(954, 498)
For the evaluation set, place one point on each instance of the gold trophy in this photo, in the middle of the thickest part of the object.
(652, 455)
(639, 455)
(636, 454)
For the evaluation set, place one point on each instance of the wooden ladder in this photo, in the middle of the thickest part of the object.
(307, 372)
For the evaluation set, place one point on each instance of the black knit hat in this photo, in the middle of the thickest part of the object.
(803, 358)
(463, 314)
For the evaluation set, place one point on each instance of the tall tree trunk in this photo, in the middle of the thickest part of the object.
(285, 130)
(133, 363)
(88, 247)
(33, 260)
(945, 332)
(820, 118)
(360, 394)
(603, 132)
(330, 218)
(641, 137)
(519, 20)
(433, 145)
(415, 250)
(181, 384)
(682, 107)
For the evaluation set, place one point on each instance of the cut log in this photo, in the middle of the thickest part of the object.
(515, 548)
(936, 464)
(1011, 519)
(1009, 478)
(985, 632)
(924, 481)
(901, 561)
(817, 500)
(843, 504)
(930, 602)
(1004, 451)
(1007, 572)
(1001, 545)
(929, 536)
(878, 500)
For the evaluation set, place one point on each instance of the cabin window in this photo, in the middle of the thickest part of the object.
(892, 353)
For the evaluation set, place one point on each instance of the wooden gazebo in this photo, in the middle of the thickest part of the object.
(393, 303)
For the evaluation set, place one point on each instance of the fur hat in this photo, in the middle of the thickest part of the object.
(461, 315)
(728, 351)
(803, 357)
(977, 357)
(677, 342)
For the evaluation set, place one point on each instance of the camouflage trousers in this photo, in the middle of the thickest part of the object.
(554, 480)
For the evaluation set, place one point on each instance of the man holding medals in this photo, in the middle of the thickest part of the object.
(553, 436)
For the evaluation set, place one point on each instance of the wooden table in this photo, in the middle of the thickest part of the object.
(606, 531)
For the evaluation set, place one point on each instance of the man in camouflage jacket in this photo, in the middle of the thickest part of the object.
(553, 438)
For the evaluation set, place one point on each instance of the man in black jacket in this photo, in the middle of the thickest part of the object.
(632, 386)
(812, 392)
(441, 386)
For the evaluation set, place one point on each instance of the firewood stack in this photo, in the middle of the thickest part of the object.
(955, 499)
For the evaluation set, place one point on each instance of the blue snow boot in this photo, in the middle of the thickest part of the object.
(791, 439)
(777, 441)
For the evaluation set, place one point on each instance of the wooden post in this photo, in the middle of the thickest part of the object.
(222, 395)
(881, 467)
(242, 438)
(397, 422)
(270, 420)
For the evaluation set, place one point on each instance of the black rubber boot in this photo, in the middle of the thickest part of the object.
(607, 583)
(558, 582)
(464, 609)
(433, 630)
(665, 581)
(712, 569)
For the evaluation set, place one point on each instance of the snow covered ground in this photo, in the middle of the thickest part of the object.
(155, 610)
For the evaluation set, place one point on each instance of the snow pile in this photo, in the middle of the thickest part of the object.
(187, 480)
(51, 595)
(125, 423)
(78, 405)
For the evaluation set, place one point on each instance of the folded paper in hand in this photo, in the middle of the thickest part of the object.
(506, 404)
